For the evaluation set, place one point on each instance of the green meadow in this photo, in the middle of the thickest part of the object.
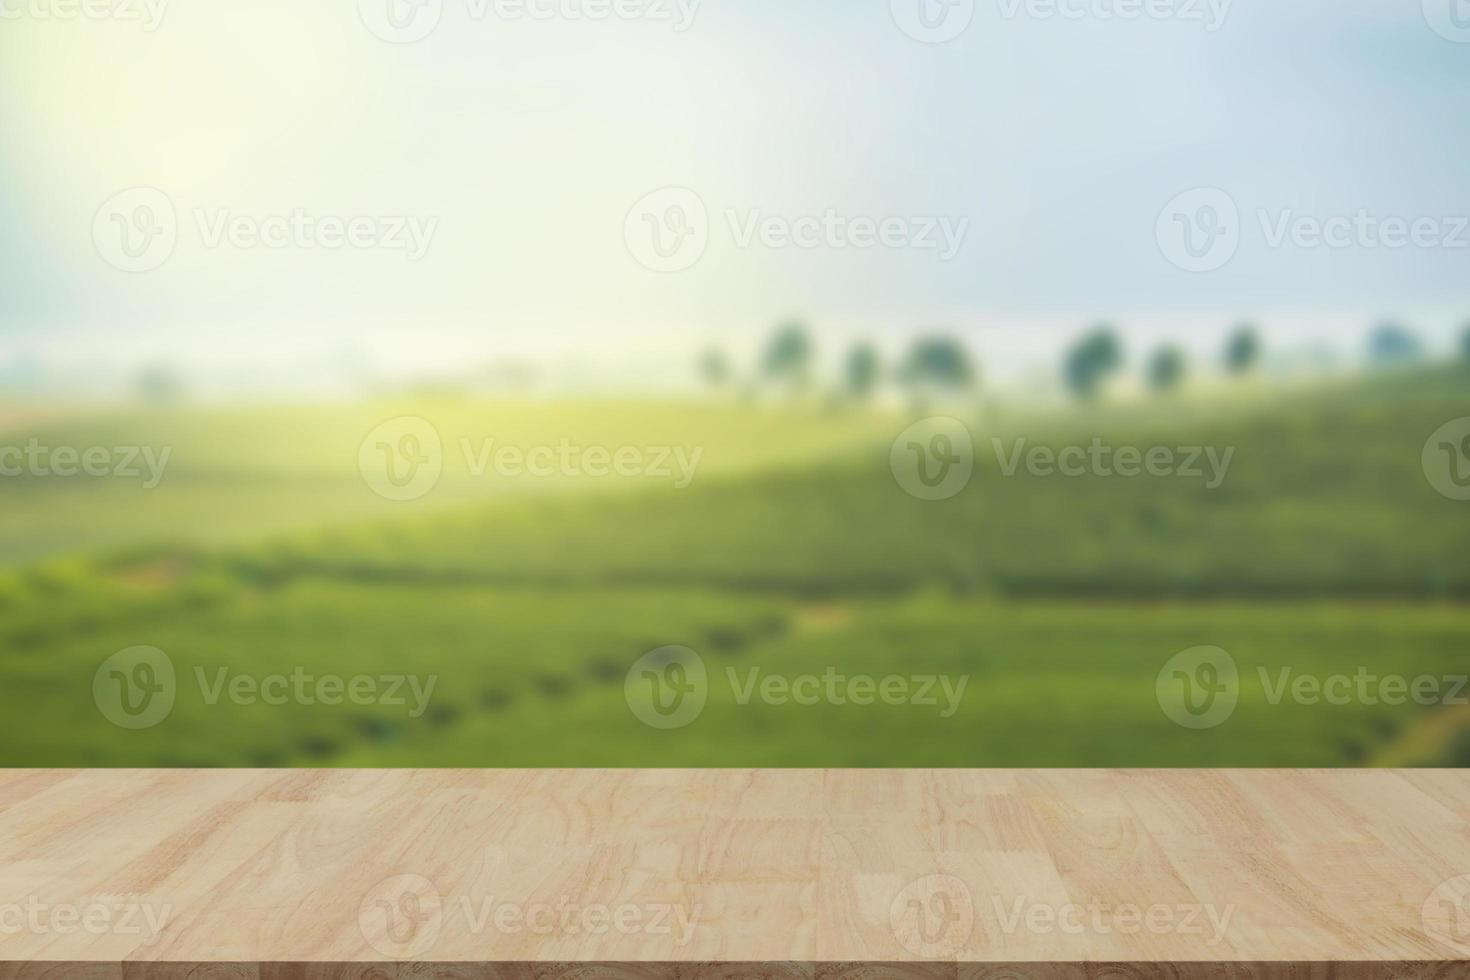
(495, 620)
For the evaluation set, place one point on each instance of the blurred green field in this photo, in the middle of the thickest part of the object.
(236, 473)
(527, 677)
(1057, 600)
(1325, 496)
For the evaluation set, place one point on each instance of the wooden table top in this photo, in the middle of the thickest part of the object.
(994, 874)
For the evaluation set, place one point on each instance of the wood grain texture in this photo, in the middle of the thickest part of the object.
(664, 874)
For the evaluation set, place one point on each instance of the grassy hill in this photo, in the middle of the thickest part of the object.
(1055, 600)
(237, 473)
(1324, 496)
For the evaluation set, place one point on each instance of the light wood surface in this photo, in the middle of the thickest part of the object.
(983, 874)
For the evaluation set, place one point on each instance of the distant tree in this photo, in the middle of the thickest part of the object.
(1243, 350)
(1465, 343)
(1094, 357)
(936, 366)
(159, 385)
(1393, 345)
(788, 357)
(940, 361)
(1166, 369)
(860, 373)
(714, 368)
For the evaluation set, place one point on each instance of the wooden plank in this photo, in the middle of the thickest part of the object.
(664, 874)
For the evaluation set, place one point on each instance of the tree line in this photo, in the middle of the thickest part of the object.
(938, 365)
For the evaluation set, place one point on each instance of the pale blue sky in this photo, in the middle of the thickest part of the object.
(1058, 140)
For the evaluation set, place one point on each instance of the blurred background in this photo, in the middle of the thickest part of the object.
(560, 382)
